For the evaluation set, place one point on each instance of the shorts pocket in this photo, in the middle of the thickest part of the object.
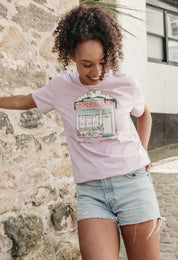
(138, 174)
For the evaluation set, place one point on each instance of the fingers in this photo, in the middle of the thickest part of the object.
(148, 168)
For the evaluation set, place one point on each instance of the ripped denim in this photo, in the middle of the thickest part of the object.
(127, 199)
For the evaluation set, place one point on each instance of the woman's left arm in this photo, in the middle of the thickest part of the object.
(144, 124)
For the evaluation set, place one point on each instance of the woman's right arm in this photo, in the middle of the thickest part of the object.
(20, 102)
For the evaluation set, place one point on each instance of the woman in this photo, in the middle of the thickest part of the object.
(109, 158)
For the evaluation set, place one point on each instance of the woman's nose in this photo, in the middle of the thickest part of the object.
(96, 71)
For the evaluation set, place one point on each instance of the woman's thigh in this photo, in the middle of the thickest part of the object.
(141, 240)
(98, 239)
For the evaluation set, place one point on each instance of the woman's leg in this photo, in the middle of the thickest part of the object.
(98, 239)
(139, 245)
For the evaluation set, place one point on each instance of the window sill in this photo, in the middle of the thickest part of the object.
(162, 62)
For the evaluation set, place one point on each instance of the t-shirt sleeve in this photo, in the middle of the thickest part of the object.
(44, 97)
(138, 101)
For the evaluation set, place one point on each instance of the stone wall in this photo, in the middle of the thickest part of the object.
(37, 195)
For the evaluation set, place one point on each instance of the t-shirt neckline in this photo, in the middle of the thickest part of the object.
(87, 86)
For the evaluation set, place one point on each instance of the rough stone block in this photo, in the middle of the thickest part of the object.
(13, 41)
(30, 75)
(62, 170)
(31, 118)
(7, 181)
(5, 123)
(45, 50)
(40, 1)
(25, 233)
(63, 216)
(1, 29)
(3, 11)
(42, 196)
(34, 17)
(27, 142)
(50, 138)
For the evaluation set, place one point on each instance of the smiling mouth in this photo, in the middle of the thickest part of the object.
(95, 78)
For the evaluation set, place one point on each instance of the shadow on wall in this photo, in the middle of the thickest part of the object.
(164, 129)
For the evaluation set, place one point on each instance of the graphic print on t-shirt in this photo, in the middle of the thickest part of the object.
(95, 115)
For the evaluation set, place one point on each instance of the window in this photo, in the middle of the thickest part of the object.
(171, 2)
(162, 35)
(172, 37)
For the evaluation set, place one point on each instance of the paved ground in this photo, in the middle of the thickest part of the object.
(165, 159)
(165, 178)
(169, 165)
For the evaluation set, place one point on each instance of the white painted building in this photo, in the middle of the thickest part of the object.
(152, 56)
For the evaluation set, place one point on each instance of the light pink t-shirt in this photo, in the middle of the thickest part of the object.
(101, 136)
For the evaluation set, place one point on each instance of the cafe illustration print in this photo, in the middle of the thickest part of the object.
(95, 115)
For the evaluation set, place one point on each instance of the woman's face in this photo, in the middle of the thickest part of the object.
(89, 59)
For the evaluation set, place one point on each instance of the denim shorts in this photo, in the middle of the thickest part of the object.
(126, 199)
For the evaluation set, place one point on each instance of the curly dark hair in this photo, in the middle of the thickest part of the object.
(85, 23)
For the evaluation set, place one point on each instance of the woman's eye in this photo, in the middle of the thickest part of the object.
(87, 66)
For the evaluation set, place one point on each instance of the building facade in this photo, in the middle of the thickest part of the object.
(152, 56)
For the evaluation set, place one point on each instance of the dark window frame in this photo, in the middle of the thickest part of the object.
(157, 5)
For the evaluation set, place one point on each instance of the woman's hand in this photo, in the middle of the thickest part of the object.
(148, 168)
